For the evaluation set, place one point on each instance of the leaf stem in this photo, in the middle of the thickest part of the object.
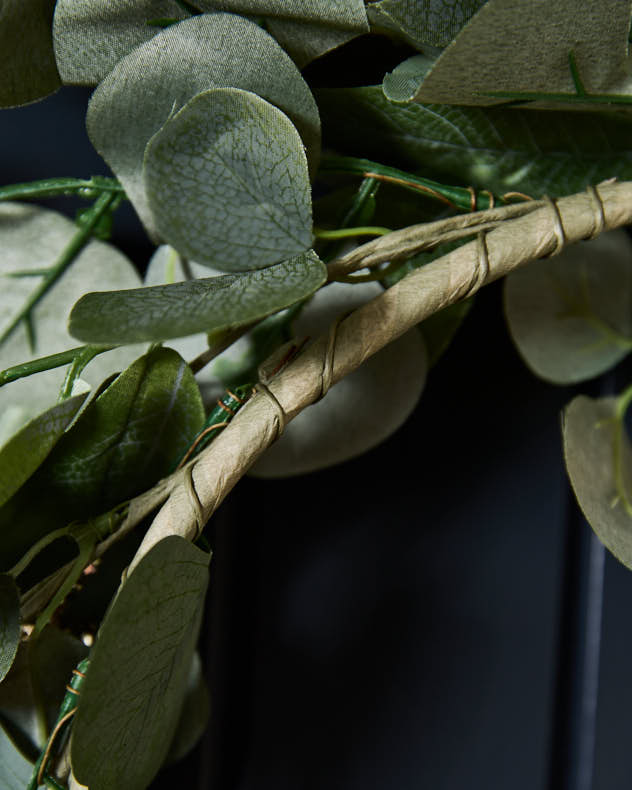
(462, 198)
(345, 233)
(55, 187)
(85, 355)
(101, 206)
(47, 363)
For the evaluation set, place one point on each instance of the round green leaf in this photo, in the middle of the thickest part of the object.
(27, 62)
(598, 458)
(91, 36)
(569, 316)
(227, 182)
(15, 769)
(185, 308)
(32, 238)
(9, 623)
(156, 79)
(135, 686)
(362, 409)
(194, 715)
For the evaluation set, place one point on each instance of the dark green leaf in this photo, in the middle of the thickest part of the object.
(9, 623)
(227, 182)
(599, 463)
(207, 305)
(536, 152)
(134, 690)
(570, 315)
(194, 715)
(28, 448)
(159, 77)
(27, 62)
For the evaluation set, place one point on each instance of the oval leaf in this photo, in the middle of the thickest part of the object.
(227, 182)
(569, 316)
(25, 451)
(598, 458)
(134, 690)
(32, 238)
(210, 304)
(27, 62)
(194, 715)
(9, 623)
(362, 409)
(157, 78)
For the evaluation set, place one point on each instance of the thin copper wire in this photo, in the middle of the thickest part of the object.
(472, 192)
(239, 400)
(51, 741)
(198, 439)
(510, 195)
(226, 408)
(490, 197)
(420, 187)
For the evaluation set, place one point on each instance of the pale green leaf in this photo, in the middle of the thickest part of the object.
(27, 62)
(401, 84)
(535, 152)
(194, 714)
(422, 22)
(524, 46)
(15, 769)
(211, 304)
(28, 448)
(122, 443)
(91, 36)
(343, 14)
(227, 182)
(159, 77)
(362, 409)
(9, 623)
(599, 462)
(570, 315)
(134, 689)
(32, 237)
(306, 42)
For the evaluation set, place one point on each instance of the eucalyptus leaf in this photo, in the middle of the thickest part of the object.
(32, 238)
(135, 686)
(569, 316)
(27, 62)
(194, 714)
(422, 22)
(227, 182)
(306, 42)
(28, 448)
(210, 304)
(598, 458)
(362, 409)
(91, 36)
(15, 769)
(159, 77)
(535, 152)
(122, 443)
(9, 623)
(524, 46)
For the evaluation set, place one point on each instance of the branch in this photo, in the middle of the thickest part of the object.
(544, 231)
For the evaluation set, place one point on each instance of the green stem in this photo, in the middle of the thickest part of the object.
(46, 363)
(190, 9)
(84, 356)
(373, 276)
(101, 206)
(55, 187)
(346, 233)
(462, 198)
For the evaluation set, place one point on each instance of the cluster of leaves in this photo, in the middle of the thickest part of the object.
(214, 135)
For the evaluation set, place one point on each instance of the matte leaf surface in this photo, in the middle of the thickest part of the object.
(536, 152)
(570, 315)
(27, 62)
(227, 182)
(523, 45)
(32, 238)
(433, 22)
(599, 463)
(158, 78)
(9, 623)
(352, 417)
(139, 668)
(204, 305)
(28, 448)
(194, 714)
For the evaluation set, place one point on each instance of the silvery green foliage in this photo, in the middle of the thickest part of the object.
(156, 79)
(27, 62)
(139, 669)
(423, 22)
(599, 463)
(352, 417)
(9, 623)
(497, 149)
(570, 315)
(227, 182)
(31, 239)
